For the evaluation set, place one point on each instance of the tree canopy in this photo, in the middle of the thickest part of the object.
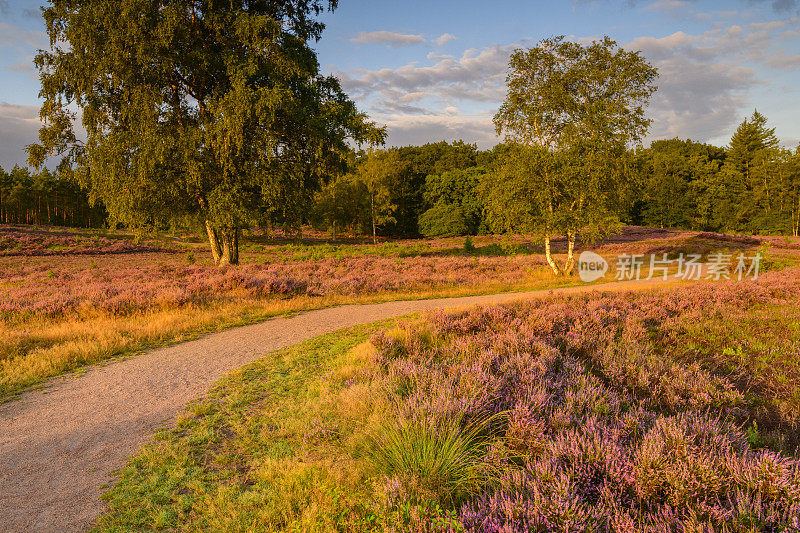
(194, 109)
(573, 110)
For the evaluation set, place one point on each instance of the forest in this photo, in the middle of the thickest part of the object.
(752, 185)
(45, 198)
(749, 186)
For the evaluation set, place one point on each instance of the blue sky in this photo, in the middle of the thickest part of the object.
(435, 70)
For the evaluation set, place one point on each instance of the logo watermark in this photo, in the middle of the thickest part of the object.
(593, 266)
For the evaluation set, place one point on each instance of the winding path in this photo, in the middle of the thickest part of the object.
(58, 447)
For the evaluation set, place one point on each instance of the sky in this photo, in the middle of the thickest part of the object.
(435, 70)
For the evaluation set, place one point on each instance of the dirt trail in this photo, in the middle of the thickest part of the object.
(57, 449)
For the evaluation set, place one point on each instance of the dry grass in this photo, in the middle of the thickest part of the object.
(35, 348)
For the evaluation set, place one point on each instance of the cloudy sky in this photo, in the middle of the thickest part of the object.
(435, 70)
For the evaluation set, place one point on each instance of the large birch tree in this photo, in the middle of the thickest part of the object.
(194, 109)
(573, 110)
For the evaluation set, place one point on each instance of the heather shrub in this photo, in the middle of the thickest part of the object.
(45, 290)
(599, 425)
(32, 242)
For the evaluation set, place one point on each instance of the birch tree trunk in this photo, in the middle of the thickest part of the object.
(213, 240)
(549, 256)
(570, 264)
(372, 212)
(230, 246)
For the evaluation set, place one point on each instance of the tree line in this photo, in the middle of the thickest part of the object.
(216, 116)
(44, 198)
(752, 185)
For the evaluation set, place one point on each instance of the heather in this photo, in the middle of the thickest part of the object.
(58, 313)
(604, 427)
(78, 297)
(47, 289)
(603, 412)
(29, 241)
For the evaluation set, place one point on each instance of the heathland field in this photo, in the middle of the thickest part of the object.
(673, 410)
(607, 411)
(68, 298)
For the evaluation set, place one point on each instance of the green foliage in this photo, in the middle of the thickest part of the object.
(457, 188)
(754, 438)
(408, 185)
(562, 93)
(342, 204)
(45, 198)
(752, 186)
(751, 138)
(680, 185)
(214, 112)
(572, 110)
(345, 203)
(375, 172)
(443, 220)
(468, 246)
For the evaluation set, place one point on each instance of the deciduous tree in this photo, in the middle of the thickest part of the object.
(574, 109)
(194, 109)
(375, 171)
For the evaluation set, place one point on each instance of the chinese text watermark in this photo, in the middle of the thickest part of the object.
(719, 266)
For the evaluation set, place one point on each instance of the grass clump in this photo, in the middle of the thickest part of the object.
(426, 461)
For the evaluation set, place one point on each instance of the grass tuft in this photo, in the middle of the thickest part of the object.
(428, 462)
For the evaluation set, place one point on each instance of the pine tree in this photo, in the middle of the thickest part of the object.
(750, 169)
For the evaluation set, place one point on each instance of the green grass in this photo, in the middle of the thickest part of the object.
(434, 463)
(760, 352)
(274, 447)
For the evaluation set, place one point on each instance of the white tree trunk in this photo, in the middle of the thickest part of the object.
(570, 264)
(549, 256)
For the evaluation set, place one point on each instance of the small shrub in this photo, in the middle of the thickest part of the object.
(468, 246)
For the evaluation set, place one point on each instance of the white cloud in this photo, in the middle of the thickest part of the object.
(11, 35)
(416, 129)
(399, 39)
(388, 37)
(704, 83)
(476, 78)
(476, 75)
(444, 38)
(705, 79)
(19, 126)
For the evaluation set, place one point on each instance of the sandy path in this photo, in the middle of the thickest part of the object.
(58, 448)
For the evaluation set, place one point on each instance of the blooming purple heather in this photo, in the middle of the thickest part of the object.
(602, 429)
(27, 242)
(153, 280)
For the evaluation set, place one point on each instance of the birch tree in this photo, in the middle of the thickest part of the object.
(212, 111)
(574, 109)
(375, 171)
